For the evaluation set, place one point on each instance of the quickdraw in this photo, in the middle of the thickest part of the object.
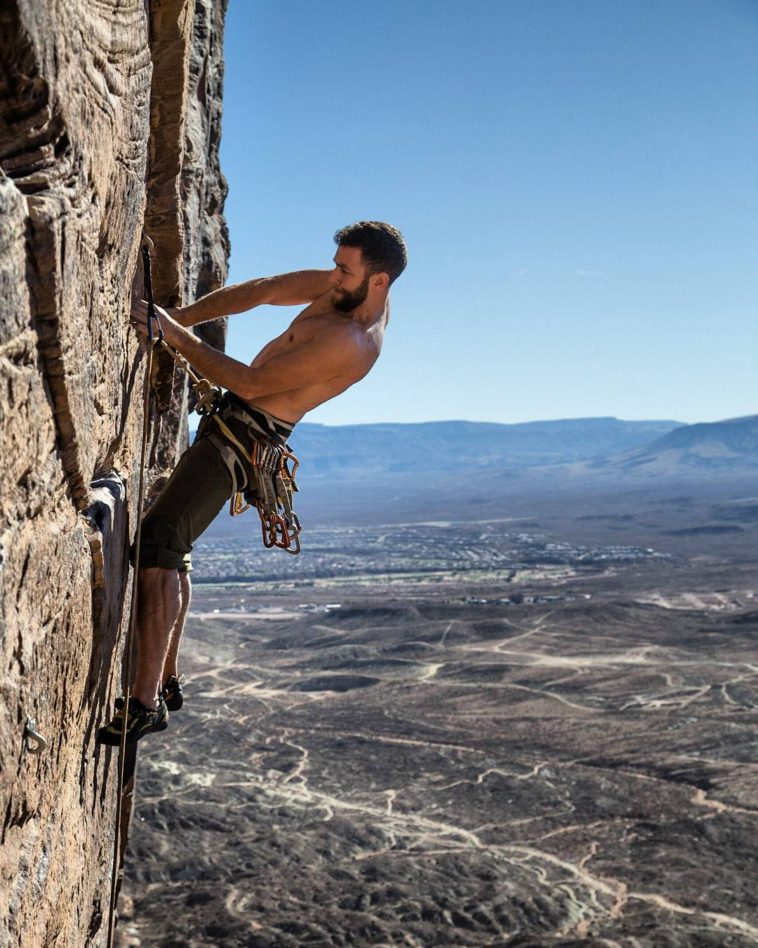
(271, 493)
(206, 393)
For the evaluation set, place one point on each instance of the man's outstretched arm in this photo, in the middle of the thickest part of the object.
(288, 289)
(324, 357)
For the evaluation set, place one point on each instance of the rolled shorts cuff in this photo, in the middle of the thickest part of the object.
(152, 555)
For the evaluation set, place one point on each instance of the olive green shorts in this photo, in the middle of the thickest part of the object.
(202, 481)
(191, 499)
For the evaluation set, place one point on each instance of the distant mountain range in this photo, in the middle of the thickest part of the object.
(352, 473)
(712, 448)
(456, 457)
(445, 447)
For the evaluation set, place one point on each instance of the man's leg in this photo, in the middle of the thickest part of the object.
(190, 500)
(192, 497)
(170, 666)
(159, 604)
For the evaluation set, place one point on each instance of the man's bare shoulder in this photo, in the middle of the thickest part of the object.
(339, 345)
(321, 330)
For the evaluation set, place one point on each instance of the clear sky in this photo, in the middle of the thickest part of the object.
(577, 181)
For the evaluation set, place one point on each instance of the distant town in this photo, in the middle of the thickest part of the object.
(431, 551)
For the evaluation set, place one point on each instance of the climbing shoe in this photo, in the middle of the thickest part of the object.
(139, 721)
(172, 694)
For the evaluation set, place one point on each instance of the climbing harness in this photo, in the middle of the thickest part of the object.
(262, 468)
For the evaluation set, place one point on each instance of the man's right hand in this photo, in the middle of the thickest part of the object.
(138, 316)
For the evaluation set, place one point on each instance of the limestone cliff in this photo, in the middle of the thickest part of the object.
(109, 122)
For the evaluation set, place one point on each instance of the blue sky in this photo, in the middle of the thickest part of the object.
(577, 181)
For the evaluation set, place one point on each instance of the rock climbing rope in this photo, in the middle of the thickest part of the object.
(274, 483)
(154, 337)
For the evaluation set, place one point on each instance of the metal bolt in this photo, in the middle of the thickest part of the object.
(34, 742)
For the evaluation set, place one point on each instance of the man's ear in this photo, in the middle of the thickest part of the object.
(381, 281)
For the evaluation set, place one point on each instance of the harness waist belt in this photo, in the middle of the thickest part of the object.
(253, 445)
(267, 425)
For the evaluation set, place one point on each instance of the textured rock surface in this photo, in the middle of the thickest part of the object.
(203, 186)
(76, 112)
(184, 211)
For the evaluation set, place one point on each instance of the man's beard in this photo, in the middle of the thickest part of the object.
(347, 301)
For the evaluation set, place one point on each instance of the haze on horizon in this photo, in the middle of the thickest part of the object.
(576, 183)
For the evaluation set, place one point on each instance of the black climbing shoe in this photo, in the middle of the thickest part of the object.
(139, 721)
(172, 694)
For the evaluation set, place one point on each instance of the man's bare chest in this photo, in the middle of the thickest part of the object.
(297, 336)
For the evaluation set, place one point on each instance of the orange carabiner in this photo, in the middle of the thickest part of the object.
(284, 470)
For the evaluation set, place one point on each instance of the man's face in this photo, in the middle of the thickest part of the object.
(351, 282)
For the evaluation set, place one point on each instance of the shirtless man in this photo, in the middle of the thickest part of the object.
(330, 346)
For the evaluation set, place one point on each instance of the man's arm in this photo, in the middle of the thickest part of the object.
(288, 289)
(327, 355)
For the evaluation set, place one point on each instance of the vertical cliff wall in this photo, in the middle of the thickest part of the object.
(109, 121)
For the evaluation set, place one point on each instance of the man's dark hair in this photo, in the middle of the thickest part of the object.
(382, 246)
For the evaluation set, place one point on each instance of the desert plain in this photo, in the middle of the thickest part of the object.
(537, 728)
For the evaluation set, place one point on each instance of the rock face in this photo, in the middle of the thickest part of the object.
(109, 122)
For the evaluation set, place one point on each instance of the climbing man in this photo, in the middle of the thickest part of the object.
(330, 346)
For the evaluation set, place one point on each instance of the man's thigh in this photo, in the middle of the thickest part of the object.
(191, 499)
